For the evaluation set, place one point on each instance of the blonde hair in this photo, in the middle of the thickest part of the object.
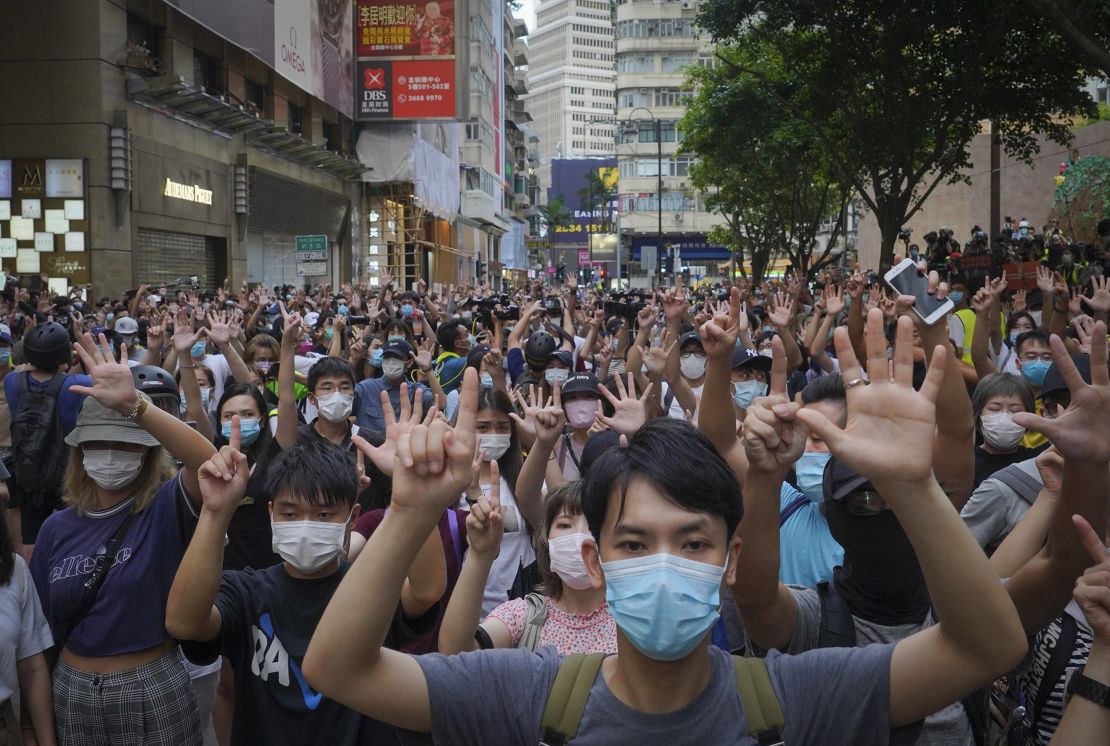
(80, 489)
(260, 340)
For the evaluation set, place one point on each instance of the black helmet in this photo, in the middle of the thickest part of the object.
(159, 386)
(47, 346)
(538, 349)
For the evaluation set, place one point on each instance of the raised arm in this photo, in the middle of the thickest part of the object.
(1029, 535)
(717, 416)
(183, 339)
(431, 469)
(191, 613)
(782, 318)
(114, 387)
(773, 441)
(483, 537)
(855, 287)
(889, 427)
(982, 304)
(548, 421)
(287, 372)
(220, 333)
(516, 336)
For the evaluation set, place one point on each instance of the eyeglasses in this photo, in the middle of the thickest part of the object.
(864, 503)
(1029, 357)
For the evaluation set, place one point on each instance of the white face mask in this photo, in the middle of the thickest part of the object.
(112, 469)
(392, 368)
(567, 562)
(1000, 431)
(308, 545)
(336, 406)
(692, 367)
(494, 446)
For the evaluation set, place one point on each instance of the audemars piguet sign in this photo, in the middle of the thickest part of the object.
(188, 192)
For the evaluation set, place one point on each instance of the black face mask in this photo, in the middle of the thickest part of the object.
(881, 580)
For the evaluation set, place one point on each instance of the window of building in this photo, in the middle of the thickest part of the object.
(206, 72)
(296, 121)
(256, 94)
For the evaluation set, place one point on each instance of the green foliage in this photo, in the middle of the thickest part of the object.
(554, 214)
(894, 92)
(1084, 198)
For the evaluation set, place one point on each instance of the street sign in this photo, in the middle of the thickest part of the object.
(311, 248)
(312, 269)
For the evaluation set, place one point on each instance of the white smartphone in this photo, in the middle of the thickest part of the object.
(905, 279)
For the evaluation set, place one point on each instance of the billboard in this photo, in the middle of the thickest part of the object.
(308, 42)
(408, 59)
(570, 180)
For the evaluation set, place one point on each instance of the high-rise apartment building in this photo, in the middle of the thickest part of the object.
(571, 81)
(656, 41)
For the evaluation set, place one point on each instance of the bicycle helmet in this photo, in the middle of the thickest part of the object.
(47, 346)
(538, 348)
(159, 386)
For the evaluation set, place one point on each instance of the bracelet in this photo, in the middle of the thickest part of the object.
(140, 408)
(179, 365)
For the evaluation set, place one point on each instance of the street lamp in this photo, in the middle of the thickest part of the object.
(632, 129)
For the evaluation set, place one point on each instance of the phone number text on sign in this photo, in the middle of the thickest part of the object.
(423, 89)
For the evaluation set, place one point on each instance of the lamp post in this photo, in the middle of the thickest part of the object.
(657, 125)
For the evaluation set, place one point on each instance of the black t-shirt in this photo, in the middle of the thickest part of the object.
(268, 618)
(988, 463)
(249, 540)
(378, 494)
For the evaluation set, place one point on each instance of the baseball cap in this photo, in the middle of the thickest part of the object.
(6, 333)
(745, 358)
(581, 383)
(399, 348)
(840, 481)
(1054, 379)
(689, 337)
(564, 357)
(127, 325)
(311, 318)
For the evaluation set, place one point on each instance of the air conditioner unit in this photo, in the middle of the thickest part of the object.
(682, 185)
(678, 217)
(644, 91)
(687, 4)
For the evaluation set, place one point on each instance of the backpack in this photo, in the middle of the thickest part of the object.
(39, 450)
(534, 620)
(1024, 485)
(838, 630)
(567, 699)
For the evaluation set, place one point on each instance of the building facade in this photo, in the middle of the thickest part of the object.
(663, 220)
(141, 144)
(571, 82)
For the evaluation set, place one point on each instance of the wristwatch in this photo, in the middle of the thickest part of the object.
(1089, 689)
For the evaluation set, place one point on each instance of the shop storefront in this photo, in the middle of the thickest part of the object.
(44, 222)
(182, 219)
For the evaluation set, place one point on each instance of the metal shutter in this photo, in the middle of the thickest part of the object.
(165, 258)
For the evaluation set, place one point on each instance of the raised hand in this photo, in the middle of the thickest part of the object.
(782, 311)
(484, 527)
(184, 337)
(1079, 433)
(629, 412)
(997, 287)
(218, 330)
(981, 302)
(1084, 329)
(1092, 589)
(223, 478)
(1051, 466)
(1075, 304)
(1045, 281)
(773, 438)
(834, 300)
(890, 428)
(1099, 302)
(396, 426)
(674, 305)
(656, 356)
(544, 420)
(291, 331)
(1020, 302)
(113, 385)
(718, 335)
(423, 358)
(357, 349)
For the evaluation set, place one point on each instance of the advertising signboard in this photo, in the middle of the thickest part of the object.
(408, 59)
(570, 180)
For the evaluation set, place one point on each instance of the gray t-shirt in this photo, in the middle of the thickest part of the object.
(994, 508)
(830, 697)
(948, 727)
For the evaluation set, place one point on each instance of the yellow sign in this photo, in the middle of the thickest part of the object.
(194, 193)
(608, 176)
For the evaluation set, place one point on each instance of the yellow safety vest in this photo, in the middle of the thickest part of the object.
(967, 318)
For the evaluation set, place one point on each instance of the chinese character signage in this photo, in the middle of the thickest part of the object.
(407, 65)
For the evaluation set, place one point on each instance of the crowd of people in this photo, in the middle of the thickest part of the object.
(749, 513)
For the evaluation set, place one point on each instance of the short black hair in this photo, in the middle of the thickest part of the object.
(1039, 335)
(678, 460)
(825, 388)
(448, 333)
(318, 472)
(328, 367)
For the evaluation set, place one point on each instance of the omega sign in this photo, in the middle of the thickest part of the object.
(189, 193)
(289, 53)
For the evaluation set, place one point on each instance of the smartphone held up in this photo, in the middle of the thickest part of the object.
(906, 279)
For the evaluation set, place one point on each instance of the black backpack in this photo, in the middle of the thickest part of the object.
(39, 450)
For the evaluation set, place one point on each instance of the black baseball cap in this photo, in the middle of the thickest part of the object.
(399, 348)
(564, 357)
(1054, 379)
(840, 481)
(581, 383)
(689, 337)
(745, 358)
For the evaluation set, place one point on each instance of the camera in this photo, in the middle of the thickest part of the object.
(509, 313)
(552, 305)
(358, 319)
(904, 234)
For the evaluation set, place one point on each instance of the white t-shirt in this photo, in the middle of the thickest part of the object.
(675, 409)
(24, 630)
(516, 551)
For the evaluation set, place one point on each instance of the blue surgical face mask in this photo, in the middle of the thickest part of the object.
(957, 296)
(486, 380)
(248, 431)
(5, 356)
(1014, 336)
(663, 604)
(395, 338)
(406, 310)
(1034, 371)
(197, 350)
(342, 310)
(376, 357)
(810, 471)
(745, 392)
(109, 316)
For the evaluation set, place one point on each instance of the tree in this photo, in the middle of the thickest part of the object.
(758, 166)
(1083, 198)
(597, 196)
(554, 215)
(893, 93)
(1085, 25)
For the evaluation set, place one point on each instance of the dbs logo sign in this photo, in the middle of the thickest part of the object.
(373, 78)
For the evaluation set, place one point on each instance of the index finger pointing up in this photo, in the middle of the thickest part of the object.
(468, 402)
(236, 435)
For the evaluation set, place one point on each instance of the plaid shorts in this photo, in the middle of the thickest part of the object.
(149, 705)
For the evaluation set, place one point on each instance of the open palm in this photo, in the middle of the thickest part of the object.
(113, 385)
(773, 438)
(890, 426)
